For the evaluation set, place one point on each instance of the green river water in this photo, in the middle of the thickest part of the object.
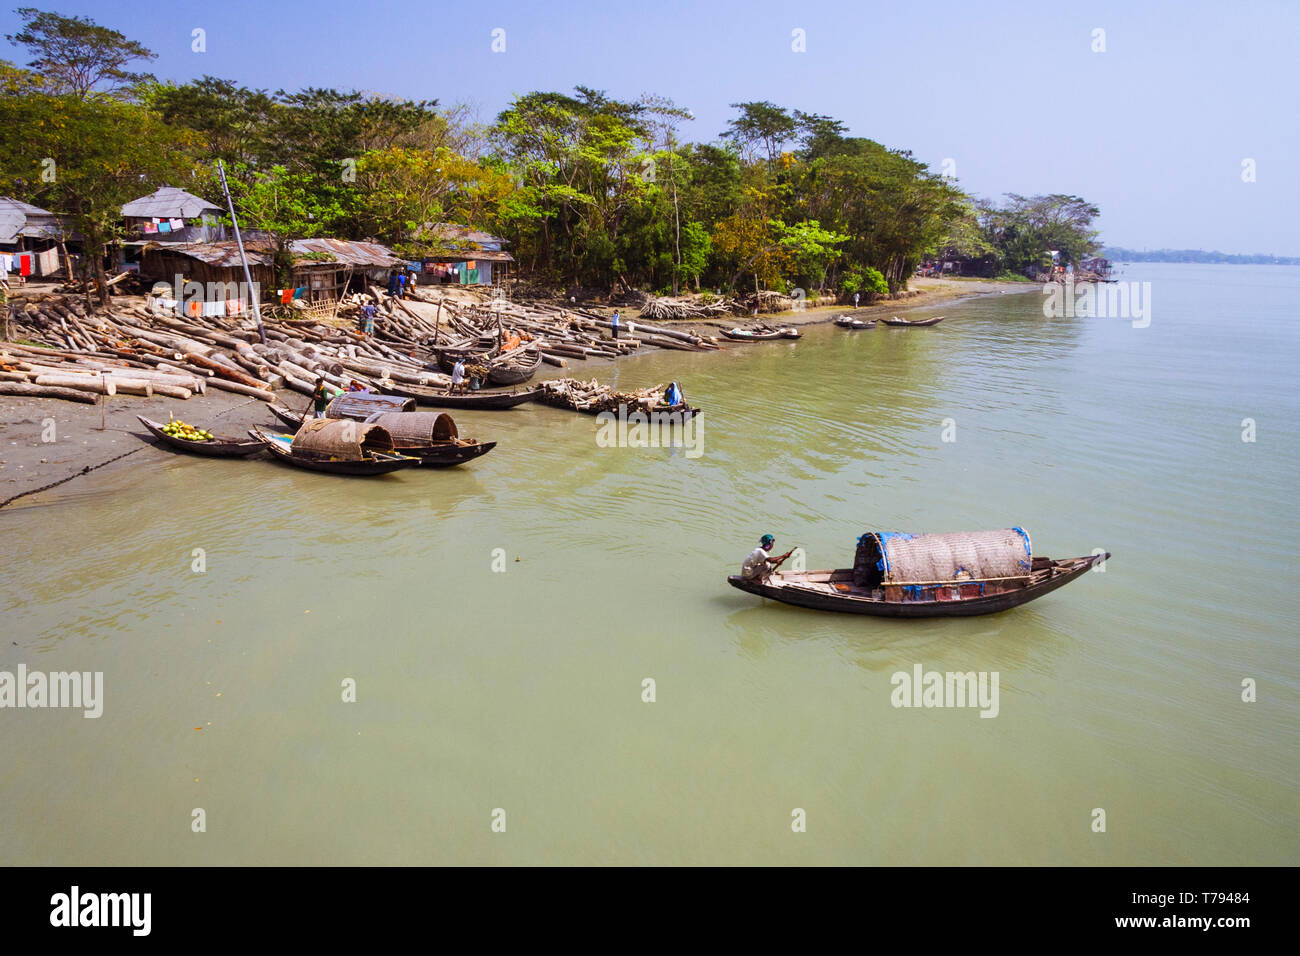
(478, 689)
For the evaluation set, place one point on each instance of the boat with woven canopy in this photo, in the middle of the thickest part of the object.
(896, 574)
(338, 447)
(431, 437)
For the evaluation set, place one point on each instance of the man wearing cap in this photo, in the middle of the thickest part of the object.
(760, 562)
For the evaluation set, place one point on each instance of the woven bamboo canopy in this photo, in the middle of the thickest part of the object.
(342, 439)
(363, 405)
(417, 428)
(893, 557)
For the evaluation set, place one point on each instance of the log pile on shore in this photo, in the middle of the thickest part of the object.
(667, 308)
(131, 349)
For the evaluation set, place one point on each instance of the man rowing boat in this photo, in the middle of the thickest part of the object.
(760, 562)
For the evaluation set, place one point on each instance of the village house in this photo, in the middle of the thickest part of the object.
(472, 257)
(170, 214)
(30, 239)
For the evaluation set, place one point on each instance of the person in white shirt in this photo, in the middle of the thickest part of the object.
(458, 376)
(760, 562)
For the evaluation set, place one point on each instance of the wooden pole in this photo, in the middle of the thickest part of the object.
(248, 276)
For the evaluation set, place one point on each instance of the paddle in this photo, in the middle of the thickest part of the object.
(781, 560)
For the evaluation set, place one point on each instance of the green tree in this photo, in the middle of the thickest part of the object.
(77, 56)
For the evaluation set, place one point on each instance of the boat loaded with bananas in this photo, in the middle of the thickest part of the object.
(337, 447)
(431, 437)
(895, 574)
(199, 441)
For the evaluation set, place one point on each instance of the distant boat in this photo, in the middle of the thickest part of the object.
(481, 400)
(849, 322)
(926, 575)
(919, 323)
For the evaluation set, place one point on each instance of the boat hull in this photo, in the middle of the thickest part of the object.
(819, 599)
(447, 455)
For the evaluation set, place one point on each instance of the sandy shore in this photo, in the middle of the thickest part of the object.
(29, 462)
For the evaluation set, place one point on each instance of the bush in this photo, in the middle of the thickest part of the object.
(864, 279)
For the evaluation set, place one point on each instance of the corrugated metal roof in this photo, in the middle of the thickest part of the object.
(347, 251)
(18, 218)
(224, 255)
(168, 202)
(455, 232)
(475, 254)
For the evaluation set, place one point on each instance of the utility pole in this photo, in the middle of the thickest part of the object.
(248, 277)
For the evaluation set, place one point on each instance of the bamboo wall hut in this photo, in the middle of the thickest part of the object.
(30, 237)
(327, 268)
(170, 214)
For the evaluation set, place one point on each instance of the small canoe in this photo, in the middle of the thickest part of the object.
(761, 335)
(481, 400)
(376, 463)
(848, 322)
(218, 447)
(919, 323)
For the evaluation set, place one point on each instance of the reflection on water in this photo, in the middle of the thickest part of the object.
(521, 689)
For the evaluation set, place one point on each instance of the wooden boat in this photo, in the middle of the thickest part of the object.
(476, 354)
(849, 322)
(481, 400)
(762, 334)
(431, 437)
(291, 418)
(337, 447)
(516, 366)
(218, 447)
(919, 323)
(932, 575)
(360, 406)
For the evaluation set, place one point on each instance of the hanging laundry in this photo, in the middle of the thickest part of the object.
(6, 262)
(177, 224)
(299, 292)
(151, 227)
(25, 263)
(47, 262)
(471, 264)
(286, 296)
(164, 227)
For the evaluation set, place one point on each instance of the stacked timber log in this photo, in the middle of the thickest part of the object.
(594, 398)
(132, 349)
(665, 307)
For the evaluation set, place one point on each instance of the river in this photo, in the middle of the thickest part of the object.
(498, 621)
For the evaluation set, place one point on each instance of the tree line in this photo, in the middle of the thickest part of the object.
(589, 190)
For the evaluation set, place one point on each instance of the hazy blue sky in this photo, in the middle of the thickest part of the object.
(1154, 130)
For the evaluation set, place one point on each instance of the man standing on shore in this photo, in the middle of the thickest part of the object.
(457, 376)
(613, 325)
(855, 300)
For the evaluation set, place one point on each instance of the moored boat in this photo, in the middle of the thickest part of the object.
(927, 575)
(481, 400)
(215, 447)
(919, 323)
(337, 447)
(763, 334)
(849, 322)
(431, 437)
(515, 367)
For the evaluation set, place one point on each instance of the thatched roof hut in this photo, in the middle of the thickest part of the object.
(410, 429)
(894, 557)
(340, 439)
